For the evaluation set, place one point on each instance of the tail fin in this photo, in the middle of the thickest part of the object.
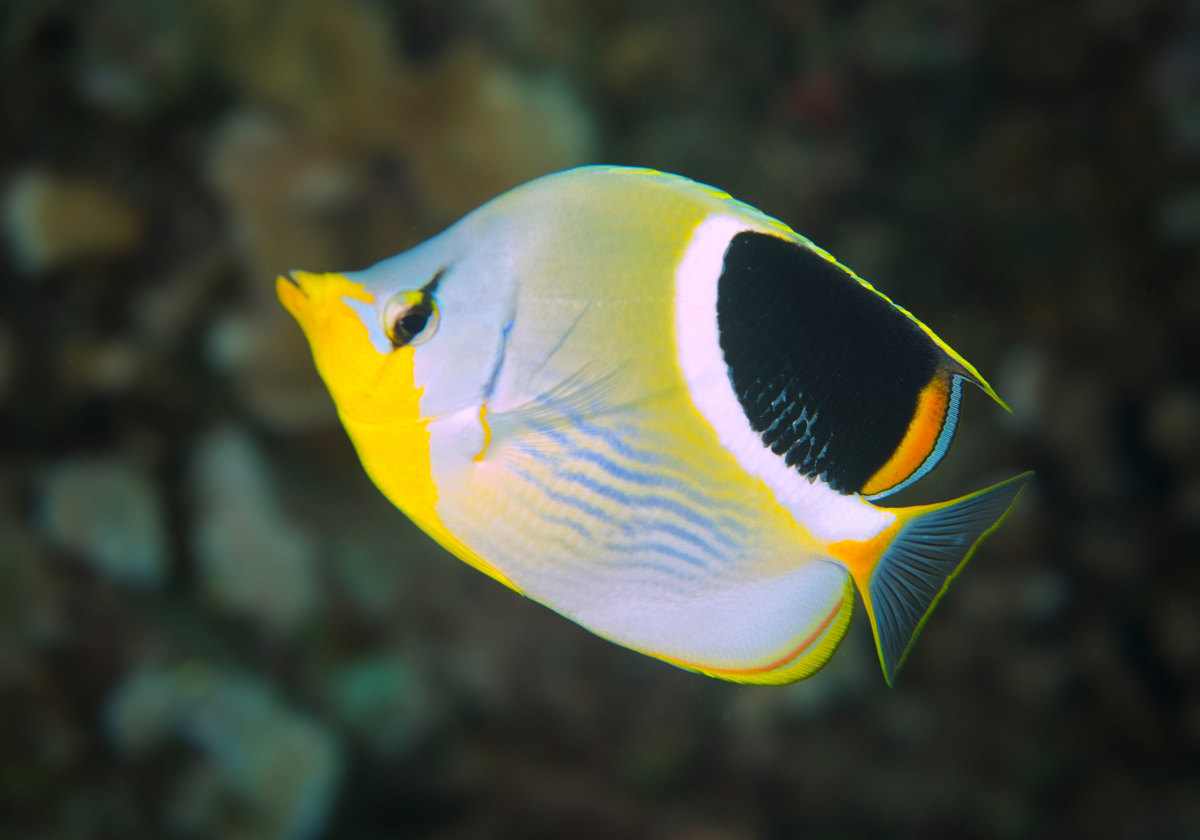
(914, 562)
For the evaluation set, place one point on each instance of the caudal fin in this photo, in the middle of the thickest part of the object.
(926, 551)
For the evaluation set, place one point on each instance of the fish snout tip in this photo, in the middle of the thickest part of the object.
(312, 283)
(291, 293)
(310, 292)
(293, 278)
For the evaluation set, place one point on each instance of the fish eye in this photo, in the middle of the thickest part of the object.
(410, 318)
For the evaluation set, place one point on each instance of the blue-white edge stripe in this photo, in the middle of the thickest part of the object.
(939, 449)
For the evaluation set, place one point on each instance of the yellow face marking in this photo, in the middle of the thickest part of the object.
(377, 400)
(919, 440)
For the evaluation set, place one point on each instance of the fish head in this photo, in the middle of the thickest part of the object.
(398, 344)
(416, 335)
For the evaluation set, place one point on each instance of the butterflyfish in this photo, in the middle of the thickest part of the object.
(662, 414)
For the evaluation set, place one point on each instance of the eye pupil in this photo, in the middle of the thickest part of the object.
(414, 321)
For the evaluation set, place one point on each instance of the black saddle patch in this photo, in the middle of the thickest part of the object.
(827, 371)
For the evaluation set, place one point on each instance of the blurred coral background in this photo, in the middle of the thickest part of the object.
(213, 626)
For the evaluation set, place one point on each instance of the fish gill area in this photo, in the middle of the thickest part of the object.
(212, 625)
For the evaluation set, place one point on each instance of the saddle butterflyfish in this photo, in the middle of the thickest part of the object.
(661, 413)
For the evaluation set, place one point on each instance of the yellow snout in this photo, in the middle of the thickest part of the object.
(367, 386)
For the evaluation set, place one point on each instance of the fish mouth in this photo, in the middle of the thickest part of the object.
(291, 277)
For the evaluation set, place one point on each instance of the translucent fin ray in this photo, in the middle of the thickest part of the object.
(924, 556)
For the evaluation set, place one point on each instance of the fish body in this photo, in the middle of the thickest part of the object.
(659, 412)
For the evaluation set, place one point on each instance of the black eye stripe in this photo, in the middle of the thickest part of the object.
(430, 287)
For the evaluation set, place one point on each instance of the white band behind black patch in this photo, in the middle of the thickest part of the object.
(825, 513)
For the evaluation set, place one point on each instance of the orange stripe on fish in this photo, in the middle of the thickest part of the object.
(920, 440)
(782, 662)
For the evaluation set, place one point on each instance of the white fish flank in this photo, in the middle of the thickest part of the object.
(827, 514)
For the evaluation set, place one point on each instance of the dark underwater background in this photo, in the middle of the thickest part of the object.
(213, 626)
